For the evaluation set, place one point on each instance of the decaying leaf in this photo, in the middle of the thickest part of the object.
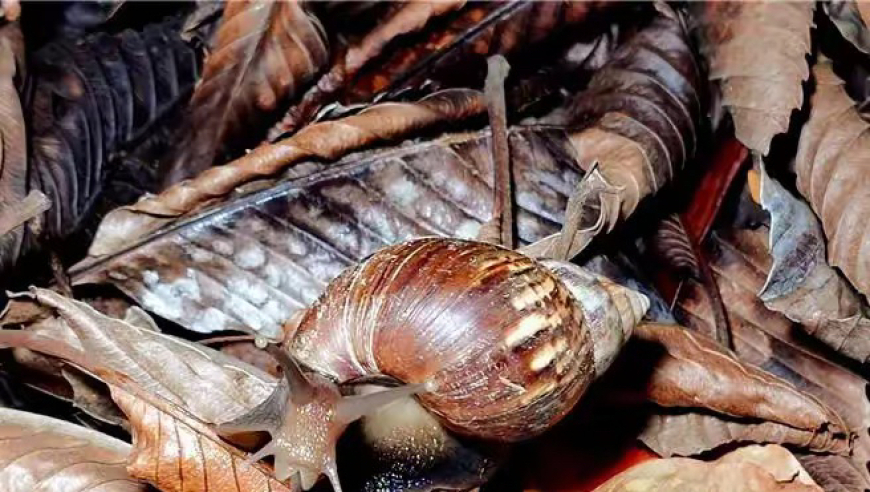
(264, 53)
(691, 373)
(750, 469)
(42, 454)
(835, 473)
(252, 261)
(86, 100)
(831, 174)
(760, 87)
(767, 339)
(673, 245)
(640, 115)
(801, 284)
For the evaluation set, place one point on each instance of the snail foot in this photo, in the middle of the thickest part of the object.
(305, 416)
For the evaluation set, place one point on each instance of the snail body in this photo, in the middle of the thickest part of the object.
(498, 346)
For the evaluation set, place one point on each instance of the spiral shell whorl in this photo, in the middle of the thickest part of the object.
(611, 310)
(499, 335)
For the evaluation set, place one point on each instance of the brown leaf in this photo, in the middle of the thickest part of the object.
(802, 285)
(833, 147)
(760, 87)
(640, 116)
(835, 473)
(749, 469)
(672, 244)
(769, 340)
(327, 141)
(177, 452)
(264, 53)
(39, 453)
(691, 372)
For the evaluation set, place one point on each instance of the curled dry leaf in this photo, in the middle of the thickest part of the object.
(264, 53)
(42, 454)
(846, 16)
(750, 469)
(13, 160)
(402, 19)
(831, 174)
(691, 372)
(835, 473)
(444, 57)
(740, 263)
(639, 115)
(802, 285)
(212, 387)
(760, 88)
(672, 244)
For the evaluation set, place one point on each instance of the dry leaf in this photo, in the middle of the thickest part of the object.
(760, 87)
(671, 244)
(212, 387)
(835, 473)
(830, 167)
(750, 469)
(264, 53)
(691, 372)
(42, 454)
(450, 54)
(639, 115)
(802, 285)
(740, 263)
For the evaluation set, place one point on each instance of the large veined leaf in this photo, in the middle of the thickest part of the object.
(42, 454)
(830, 167)
(205, 272)
(13, 161)
(760, 87)
(264, 53)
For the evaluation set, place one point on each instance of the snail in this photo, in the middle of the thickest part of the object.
(494, 345)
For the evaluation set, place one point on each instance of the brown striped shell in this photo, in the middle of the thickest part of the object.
(497, 335)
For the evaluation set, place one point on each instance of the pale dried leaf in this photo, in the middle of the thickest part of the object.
(801, 284)
(751, 469)
(178, 452)
(760, 87)
(210, 385)
(13, 157)
(42, 454)
(831, 174)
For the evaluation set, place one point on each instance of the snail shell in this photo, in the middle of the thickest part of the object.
(508, 344)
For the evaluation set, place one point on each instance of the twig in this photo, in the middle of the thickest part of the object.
(500, 227)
